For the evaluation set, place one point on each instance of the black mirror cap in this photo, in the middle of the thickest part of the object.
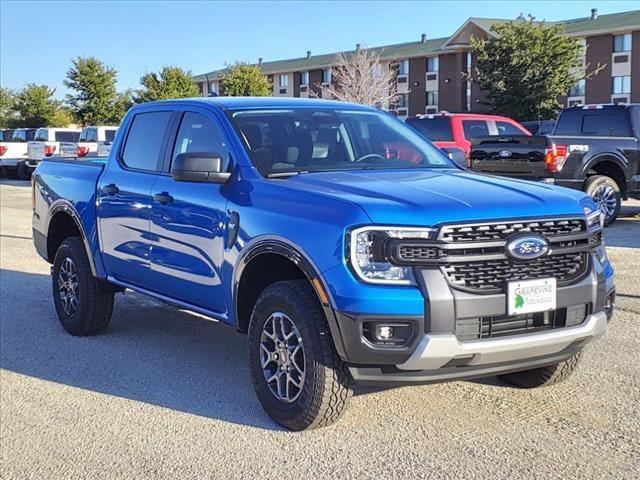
(202, 167)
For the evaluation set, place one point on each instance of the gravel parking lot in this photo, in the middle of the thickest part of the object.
(165, 394)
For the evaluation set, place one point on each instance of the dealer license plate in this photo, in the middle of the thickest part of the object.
(530, 296)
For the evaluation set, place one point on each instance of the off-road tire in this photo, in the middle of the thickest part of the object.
(543, 376)
(23, 171)
(95, 301)
(326, 388)
(597, 181)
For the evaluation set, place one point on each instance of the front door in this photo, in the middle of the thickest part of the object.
(189, 221)
(124, 199)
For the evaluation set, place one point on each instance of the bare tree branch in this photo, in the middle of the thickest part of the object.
(361, 77)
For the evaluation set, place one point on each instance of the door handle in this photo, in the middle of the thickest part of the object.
(164, 198)
(110, 189)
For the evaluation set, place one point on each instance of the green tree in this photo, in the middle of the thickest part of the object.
(7, 108)
(96, 101)
(244, 80)
(526, 66)
(36, 107)
(170, 82)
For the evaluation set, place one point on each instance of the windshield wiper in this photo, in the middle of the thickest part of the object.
(285, 174)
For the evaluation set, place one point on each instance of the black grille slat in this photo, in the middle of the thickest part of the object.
(491, 275)
(502, 230)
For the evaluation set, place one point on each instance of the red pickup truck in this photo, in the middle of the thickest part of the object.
(456, 130)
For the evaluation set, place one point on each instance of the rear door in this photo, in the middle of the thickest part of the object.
(124, 197)
(189, 221)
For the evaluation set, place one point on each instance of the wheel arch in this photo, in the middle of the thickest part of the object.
(64, 222)
(611, 166)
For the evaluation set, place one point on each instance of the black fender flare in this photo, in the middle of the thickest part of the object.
(618, 160)
(295, 254)
(65, 207)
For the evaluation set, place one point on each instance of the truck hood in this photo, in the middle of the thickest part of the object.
(430, 197)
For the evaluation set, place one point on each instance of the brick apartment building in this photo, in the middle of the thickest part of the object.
(430, 71)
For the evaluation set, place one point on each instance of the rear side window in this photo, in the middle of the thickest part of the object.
(611, 122)
(7, 136)
(437, 129)
(199, 134)
(110, 135)
(475, 128)
(506, 128)
(89, 135)
(67, 136)
(20, 136)
(42, 135)
(144, 141)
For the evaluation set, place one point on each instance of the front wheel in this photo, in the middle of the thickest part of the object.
(543, 376)
(84, 306)
(605, 192)
(297, 374)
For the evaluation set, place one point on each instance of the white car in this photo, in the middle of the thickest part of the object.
(46, 143)
(93, 142)
(13, 152)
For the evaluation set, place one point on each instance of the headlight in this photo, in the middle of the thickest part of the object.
(369, 257)
(594, 218)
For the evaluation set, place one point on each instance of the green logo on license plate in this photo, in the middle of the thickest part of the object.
(519, 301)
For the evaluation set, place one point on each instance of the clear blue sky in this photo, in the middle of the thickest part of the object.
(39, 39)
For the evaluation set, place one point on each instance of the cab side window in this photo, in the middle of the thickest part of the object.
(144, 140)
(199, 134)
(475, 129)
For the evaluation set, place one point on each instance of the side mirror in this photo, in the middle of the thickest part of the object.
(203, 167)
(456, 154)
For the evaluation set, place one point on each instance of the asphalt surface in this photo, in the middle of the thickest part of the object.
(164, 394)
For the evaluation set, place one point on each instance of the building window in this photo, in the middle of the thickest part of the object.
(432, 98)
(403, 100)
(283, 81)
(622, 43)
(326, 75)
(432, 64)
(577, 90)
(377, 70)
(403, 67)
(621, 84)
(304, 78)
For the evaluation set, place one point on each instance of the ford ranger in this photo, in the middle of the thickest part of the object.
(347, 246)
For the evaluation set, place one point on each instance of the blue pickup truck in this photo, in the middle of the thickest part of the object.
(349, 249)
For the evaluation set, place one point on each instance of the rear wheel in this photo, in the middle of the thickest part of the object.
(84, 307)
(297, 374)
(543, 376)
(23, 171)
(606, 193)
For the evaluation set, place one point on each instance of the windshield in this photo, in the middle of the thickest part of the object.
(314, 140)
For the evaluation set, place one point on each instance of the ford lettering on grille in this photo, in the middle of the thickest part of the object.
(527, 248)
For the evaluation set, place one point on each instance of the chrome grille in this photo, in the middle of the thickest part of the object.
(490, 276)
(502, 230)
(417, 253)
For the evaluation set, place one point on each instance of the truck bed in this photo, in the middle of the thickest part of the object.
(74, 181)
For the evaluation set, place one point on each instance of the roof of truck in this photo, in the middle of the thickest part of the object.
(264, 102)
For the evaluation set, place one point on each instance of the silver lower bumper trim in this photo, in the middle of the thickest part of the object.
(436, 350)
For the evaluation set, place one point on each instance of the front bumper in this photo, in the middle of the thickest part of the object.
(438, 353)
(437, 350)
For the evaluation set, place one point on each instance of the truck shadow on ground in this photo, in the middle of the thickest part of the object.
(151, 352)
(625, 232)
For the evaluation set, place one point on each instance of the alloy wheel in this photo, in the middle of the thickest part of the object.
(282, 357)
(606, 199)
(68, 286)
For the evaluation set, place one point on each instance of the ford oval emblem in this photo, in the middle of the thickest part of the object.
(527, 248)
(504, 153)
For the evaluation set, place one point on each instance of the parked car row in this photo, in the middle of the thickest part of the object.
(593, 148)
(21, 149)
